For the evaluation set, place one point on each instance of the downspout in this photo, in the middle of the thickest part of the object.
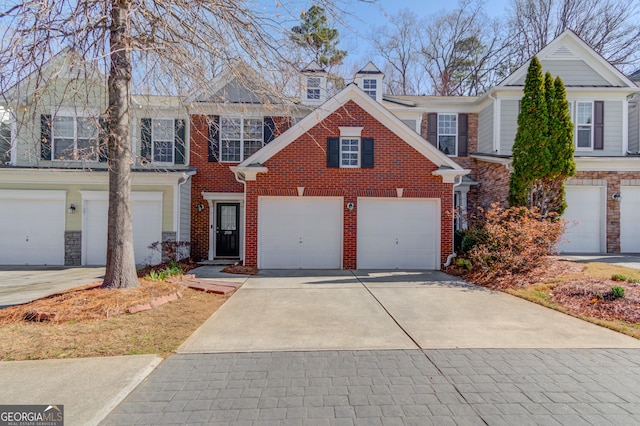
(244, 213)
(453, 255)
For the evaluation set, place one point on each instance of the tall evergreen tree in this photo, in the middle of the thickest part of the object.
(561, 145)
(315, 34)
(531, 157)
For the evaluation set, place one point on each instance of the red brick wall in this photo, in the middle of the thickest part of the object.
(303, 163)
(211, 177)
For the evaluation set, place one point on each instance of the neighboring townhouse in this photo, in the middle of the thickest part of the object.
(54, 180)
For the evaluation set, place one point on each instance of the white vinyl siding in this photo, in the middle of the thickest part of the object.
(572, 72)
(634, 126)
(485, 129)
(508, 124)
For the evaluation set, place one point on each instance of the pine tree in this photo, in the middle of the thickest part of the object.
(315, 34)
(531, 157)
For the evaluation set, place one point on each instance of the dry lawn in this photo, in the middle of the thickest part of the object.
(90, 321)
(579, 289)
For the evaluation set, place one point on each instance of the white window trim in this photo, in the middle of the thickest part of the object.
(173, 142)
(574, 119)
(359, 152)
(242, 118)
(351, 133)
(315, 88)
(75, 114)
(455, 144)
(373, 92)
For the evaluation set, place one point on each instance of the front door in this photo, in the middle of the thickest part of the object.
(227, 230)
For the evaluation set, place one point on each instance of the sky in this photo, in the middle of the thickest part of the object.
(367, 15)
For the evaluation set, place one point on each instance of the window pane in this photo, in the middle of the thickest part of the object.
(87, 149)
(313, 82)
(231, 151)
(447, 144)
(250, 147)
(253, 129)
(87, 128)
(162, 130)
(584, 136)
(63, 127)
(230, 128)
(63, 149)
(585, 113)
(163, 152)
(313, 93)
(227, 218)
(369, 84)
(447, 124)
(349, 152)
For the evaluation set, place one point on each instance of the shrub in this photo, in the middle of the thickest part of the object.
(617, 292)
(513, 240)
(463, 263)
(618, 277)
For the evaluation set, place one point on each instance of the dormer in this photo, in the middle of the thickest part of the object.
(314, 85)
(370, 80)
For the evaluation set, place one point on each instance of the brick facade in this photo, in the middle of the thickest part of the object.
(211, 177)
(303, 164)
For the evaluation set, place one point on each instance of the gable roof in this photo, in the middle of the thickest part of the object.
(569, 47)
(226, 87)
(67, 63)
(353, 93)
(370, 68)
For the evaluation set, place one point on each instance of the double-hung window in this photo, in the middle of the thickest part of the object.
(349, 152)
(584, 125)
(447, 133)
(74, 138)
(240, 137)
(163, 138)
(313, 88)
(370, 87)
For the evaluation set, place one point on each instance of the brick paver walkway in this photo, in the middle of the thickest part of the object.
(404, 387)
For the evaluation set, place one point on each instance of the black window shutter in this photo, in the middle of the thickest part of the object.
(269, 130)
(367, 153)
(463, 135)
(214, 138)
(45, 137)
(432, 128)
(598, 125)
(333, 152)
(145, 138)
(103, 140)
(179, 143)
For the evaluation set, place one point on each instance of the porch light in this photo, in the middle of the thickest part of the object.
(72, 209)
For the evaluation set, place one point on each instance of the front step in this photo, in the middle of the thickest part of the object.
(220, 261)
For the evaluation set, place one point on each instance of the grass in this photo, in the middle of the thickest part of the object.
(89, 321)
(542, 292)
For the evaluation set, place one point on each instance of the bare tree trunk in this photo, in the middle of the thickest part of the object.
(121, 268)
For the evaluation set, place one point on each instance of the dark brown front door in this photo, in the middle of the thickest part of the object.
(227, 230)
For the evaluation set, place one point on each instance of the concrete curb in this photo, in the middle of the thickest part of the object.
(125, 391)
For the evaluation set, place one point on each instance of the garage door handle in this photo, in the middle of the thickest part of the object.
(396, 241)
(300, 240)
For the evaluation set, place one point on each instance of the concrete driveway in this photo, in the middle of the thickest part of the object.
(367, 310)
(22, 284)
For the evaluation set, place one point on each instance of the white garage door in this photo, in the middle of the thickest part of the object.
(299, 232)
(585, 215)
(630, 219)
(33, 225)
(398, 233)
(147, 227)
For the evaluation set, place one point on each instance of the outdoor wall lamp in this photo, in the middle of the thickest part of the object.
(72, 209)
(350, 207)
(616, 196)
(200, 207)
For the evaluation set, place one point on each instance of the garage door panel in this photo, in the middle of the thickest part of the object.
(303, 232)
(585, 220)
(34, 231)
(398, 233)
(147, 229)
(630, 219)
